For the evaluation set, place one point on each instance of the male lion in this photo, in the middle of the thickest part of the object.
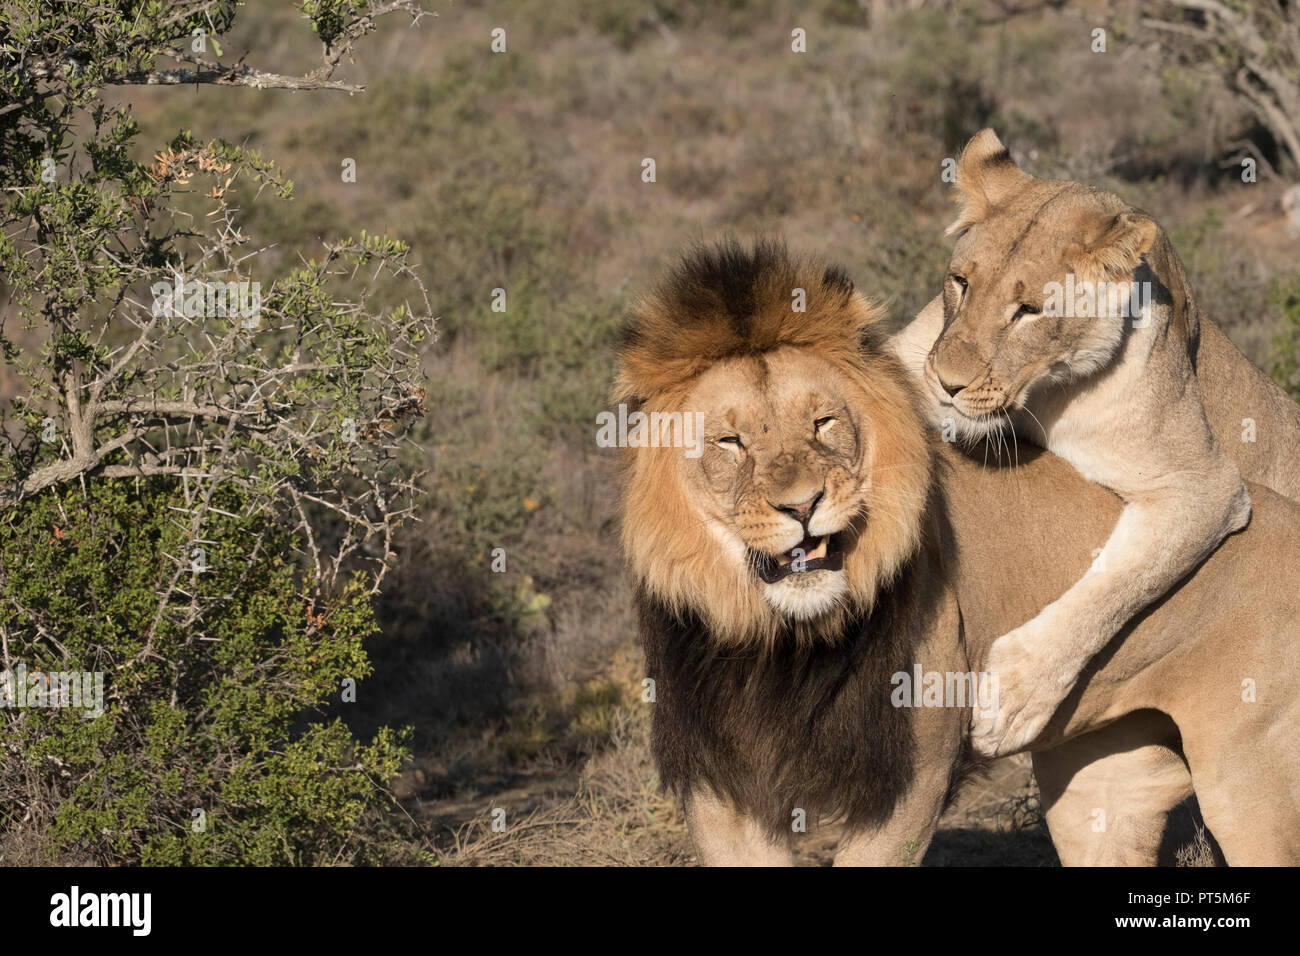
(1067, 317)
(788, 574)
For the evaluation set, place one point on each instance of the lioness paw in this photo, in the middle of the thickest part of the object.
(1028, 687)
(1008, 729)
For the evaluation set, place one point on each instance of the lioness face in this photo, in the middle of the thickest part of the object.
(1012, 320)
(783, 476)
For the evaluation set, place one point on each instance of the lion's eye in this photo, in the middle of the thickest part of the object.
(960, 281)
(733, 440)
(1025, 311)
(822, 425)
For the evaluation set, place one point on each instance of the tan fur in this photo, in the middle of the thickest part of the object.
(1236, 619)
(1115, 394)
(1107, 795)
(987, 174)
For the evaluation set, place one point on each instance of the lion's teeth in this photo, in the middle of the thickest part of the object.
(805, 553)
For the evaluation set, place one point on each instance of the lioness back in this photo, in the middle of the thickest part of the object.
(1254, 420)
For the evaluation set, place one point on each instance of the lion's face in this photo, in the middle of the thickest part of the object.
(807, 491)
(784, 478)
(1038, 291)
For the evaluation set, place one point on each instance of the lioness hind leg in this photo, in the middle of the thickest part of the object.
(726, 837)
(1108, 794)
(1251, 825)
(1250, 797)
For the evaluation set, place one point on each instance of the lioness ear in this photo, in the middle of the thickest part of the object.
(986, 175)
(1120, 247)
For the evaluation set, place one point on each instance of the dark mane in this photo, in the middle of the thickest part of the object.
(795, 726)
(729, 278)
(727, 299)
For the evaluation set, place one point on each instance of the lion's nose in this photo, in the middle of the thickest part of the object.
(802, 511)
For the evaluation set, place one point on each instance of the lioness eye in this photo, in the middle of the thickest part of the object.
(729, 440)
(1024, 311)
(822, 424)
(960, 280)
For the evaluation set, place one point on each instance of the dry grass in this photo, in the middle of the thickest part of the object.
(616, 816)
(1197, 853)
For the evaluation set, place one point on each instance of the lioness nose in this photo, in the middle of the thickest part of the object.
(952, 390)
(803, 511)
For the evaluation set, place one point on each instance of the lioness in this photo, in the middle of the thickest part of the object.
(792, 571)
(1066, 317)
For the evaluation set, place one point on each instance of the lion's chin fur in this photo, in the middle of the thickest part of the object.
(798, 602)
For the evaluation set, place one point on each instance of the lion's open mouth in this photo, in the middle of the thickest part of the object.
(823, 553)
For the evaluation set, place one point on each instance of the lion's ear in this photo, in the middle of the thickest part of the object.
(1124, 240)
(986, 175)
